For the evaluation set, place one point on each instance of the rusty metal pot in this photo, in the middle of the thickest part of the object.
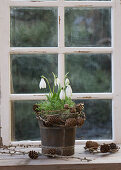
(57, 140)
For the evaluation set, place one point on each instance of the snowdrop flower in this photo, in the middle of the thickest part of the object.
(68, 91)
(42, 84)
(57, 81)
(67, 82)
(62, 95)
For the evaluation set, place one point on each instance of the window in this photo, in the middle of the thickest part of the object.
(79, 37)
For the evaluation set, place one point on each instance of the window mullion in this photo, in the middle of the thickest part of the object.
(102, 50)
(116, 70)
(34, 50)
(61, 3)
(60, 49)
(87, 3)
(18, 3)
(74, 96)
(5, 77)
(61, 59)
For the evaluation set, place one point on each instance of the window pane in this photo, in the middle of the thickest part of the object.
(89, 0)
(34, 27)
(89, 73)
(36, 0)
(24, 122)
(27, 69)
(87, 27)
(98, 124)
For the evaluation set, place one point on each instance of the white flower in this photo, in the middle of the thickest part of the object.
(42, 84)
(62, 95)
(67, 82)
(68, 91)
(57, 81)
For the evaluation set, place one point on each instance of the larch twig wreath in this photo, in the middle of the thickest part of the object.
(58, 117)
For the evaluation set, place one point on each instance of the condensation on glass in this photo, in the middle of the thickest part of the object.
(89, 73)
(27, 69)
(33, 27)
(98, 123)
(87, 27)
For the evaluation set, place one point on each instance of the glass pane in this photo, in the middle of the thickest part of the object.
(27, 69)
(24, 125)
(89, 0)
(87, 27)
(89, 73)
(98, 124)
(34, 27)
(36, 0)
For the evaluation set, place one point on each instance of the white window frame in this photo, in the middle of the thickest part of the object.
(61, 50)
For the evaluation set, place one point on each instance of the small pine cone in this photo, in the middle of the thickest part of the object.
(78, 108)
(54, 119)
(91, 144)
(70, 122)
(33, 155)
(66, 106)
(82, 106)
(35, 106)
(80, 121)
(73, 110)
(113, 146)
(105, 148)
(47, 124)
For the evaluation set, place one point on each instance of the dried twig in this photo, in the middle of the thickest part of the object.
(68, 157)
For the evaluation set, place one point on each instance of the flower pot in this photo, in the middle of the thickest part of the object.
(57, 140)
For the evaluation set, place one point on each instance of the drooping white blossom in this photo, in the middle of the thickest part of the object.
(42, 84)
(67, 82)
(68, 91)
(62, 95)
(57, 81)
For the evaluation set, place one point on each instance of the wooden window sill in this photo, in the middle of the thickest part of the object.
(99, 161)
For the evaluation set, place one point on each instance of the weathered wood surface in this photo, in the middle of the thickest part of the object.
(98, 162)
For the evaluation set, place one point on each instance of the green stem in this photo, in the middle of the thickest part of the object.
(65, 80)
(54, 82)
(48, 84)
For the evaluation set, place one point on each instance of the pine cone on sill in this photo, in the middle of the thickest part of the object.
(91, 144)
(33, 154)
(113, 146)
(105, 148)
